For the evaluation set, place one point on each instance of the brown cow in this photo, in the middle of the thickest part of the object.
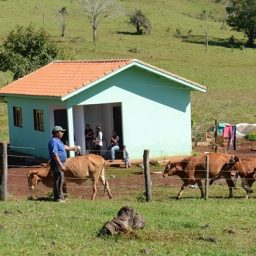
(192, 170)
(246, 169)
(78, 169)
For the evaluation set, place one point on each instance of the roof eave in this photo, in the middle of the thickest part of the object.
(192, 85)
(4, 95)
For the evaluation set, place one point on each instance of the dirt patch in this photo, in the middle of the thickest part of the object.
(243, 148)
(121, 186)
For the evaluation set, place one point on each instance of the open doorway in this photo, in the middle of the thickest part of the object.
(117, 123)
(60, 118)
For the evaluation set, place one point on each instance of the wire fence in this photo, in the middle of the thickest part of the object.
(129, 182)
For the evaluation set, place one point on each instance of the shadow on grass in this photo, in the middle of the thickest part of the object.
(47, 198)
(214, 41)
(42, 198)
(210, 197)
(128, 33)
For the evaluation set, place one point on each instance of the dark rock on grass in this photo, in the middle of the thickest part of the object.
(126, 222)
(208, 239)
(229, 231)
(205, 226)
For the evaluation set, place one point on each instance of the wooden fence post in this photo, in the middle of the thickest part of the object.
(207, 178)
(148, 182)
(3, 190)
(215, 136)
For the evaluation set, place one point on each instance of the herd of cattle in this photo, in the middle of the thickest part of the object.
(191, 170)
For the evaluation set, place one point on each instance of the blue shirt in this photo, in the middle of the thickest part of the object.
(56, 146)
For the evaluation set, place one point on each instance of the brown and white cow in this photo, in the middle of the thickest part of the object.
(246, 169)
(192, 170)
(78, 169)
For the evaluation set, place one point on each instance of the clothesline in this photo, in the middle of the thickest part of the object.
(228, 132)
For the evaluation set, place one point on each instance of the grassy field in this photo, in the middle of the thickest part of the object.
(186, 227)
(190, 226)
(228, 72)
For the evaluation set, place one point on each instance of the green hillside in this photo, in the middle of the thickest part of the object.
(228, 73)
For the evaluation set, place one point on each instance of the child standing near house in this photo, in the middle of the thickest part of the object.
(126, 157)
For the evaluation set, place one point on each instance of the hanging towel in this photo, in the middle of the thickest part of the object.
(227, 131)
(228, 134)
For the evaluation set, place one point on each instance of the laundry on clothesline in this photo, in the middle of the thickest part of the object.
(228, 132)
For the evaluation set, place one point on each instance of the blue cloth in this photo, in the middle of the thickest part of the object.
(234, 137)
(56, 146)
(220, 128)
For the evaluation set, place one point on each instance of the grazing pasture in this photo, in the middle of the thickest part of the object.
(190, 226)
(186, 227)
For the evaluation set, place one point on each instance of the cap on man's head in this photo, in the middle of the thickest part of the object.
(58, 129)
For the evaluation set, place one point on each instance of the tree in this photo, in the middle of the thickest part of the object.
(140, 21)
(221, 12)
(63, 20)
(98, 10)
(242, 17)
(25, 50)
(41, 8)
(204, 15)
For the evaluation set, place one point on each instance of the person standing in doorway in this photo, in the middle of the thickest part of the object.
(58, 155)
(98, 141)
(89, 136)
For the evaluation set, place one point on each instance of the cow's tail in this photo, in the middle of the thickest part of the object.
(104, 181)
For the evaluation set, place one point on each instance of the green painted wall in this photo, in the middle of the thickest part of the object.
(156, 111)
(26, 139)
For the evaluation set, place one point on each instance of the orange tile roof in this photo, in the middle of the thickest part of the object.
(60, 78)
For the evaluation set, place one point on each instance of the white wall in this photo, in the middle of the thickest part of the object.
(102, 115)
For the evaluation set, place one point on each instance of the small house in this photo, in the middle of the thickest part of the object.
(149, 108)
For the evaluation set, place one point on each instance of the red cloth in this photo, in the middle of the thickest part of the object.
(227, 131)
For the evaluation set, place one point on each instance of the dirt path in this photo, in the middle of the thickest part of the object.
(120, 186)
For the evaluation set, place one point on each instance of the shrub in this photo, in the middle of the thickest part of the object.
(141, 197)
(141, 22)
(232, 40)
(177, 33)
(251, 136)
